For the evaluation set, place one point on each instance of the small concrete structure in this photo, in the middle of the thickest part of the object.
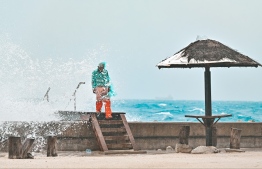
(183, 148)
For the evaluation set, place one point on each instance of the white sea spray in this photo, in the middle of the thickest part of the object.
(24, 81)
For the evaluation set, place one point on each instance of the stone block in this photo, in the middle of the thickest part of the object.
(183, 148)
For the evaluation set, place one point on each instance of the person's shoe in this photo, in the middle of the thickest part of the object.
(98, 113)
(109, 117)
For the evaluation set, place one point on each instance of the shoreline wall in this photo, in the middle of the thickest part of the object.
(78, 135)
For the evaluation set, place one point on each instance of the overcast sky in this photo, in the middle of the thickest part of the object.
(132, 36)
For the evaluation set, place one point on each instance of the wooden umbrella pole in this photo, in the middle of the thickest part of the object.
(208, 107)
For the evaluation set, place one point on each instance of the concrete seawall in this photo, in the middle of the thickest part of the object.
(160, 135)
(78, 135)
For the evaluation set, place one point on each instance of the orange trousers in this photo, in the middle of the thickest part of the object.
(102, 96)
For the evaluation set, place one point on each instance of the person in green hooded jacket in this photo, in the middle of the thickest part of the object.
(101, 87)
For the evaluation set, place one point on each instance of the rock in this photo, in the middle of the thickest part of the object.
(183, 148)
(169, 149)
(205, 150)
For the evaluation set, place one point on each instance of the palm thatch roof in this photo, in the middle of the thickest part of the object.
(209, 53)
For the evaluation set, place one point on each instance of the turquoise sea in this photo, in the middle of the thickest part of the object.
(175, 111)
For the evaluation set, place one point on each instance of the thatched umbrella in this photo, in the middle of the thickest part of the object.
(207, 53)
